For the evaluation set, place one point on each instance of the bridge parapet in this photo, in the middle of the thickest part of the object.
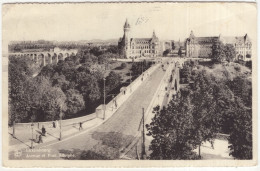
(47, 57)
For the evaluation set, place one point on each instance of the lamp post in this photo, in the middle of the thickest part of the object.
(143, 145)
(14, 128)
(113, 101)
(60, 121)
(130, 77)
(32, 136)
(104, 107)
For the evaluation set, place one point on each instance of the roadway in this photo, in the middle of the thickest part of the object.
(110, 138)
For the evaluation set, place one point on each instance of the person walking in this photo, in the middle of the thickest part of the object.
(40, 139)
(43, 130)
(80, 126)
(53, 124)
(212, 144)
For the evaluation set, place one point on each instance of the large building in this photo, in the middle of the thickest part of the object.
(138, 47)
(202, 46)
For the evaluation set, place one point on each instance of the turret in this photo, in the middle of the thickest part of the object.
(126, 29)
(191, 34)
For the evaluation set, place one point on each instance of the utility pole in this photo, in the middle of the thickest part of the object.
(14, 129)
(104, 108)
(32, 125)
(130, 77)
(142, 66)
(143, 145)
(60, 120)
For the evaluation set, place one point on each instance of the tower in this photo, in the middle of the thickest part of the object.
(127, 38)
(126, 29)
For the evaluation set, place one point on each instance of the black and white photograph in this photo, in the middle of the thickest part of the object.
(129, 84)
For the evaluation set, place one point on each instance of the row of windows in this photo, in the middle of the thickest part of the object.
(142, 47)
(243, 47)
(241, 52)
(142, 42)
(145, 51)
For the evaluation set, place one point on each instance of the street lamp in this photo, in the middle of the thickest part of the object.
(104, 107)
(130, 77)
(32, 136)
(60, 121)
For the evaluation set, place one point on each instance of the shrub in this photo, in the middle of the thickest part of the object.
(123, 65)
(237, 68)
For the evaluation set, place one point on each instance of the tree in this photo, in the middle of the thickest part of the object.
(206, 119)
(230, 52)
(241, 132)
(74, 102)
(112, 81)
(172, 129)
(180, 52)
(218, 52)
(60, 81)
(166, 52)
(221, 52)
(53, 104)
(242, 88)
(89, 59)
(95, 51)
(20, 70)
(113, 49)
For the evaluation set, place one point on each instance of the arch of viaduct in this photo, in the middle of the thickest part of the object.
(47, 57)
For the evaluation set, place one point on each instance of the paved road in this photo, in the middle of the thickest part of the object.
(110, 138)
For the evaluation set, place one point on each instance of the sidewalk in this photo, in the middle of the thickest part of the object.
(23, 137)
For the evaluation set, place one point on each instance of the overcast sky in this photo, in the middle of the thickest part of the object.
(71, 22)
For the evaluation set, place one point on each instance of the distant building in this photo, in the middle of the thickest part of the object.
(138, 47)
(202, 46)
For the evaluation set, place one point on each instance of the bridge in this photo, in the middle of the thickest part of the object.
(47, 57)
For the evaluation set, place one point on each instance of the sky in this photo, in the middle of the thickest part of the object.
(86, 21)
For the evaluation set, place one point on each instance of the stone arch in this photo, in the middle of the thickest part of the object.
(55, 58)
(67, 55)
(41, 58)
(60, 56)
(73, 54)
(48, 58)
(32, 57)
(35, 58)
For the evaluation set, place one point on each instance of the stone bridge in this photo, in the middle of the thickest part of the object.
(47, 57)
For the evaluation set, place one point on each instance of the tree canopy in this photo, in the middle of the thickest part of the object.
(205, 107)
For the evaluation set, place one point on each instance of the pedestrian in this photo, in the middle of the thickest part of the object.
(40, 139)
(43, 130)
(115, 104)
(53, 124)
(80, 126)
(57, 124)
(212, 144)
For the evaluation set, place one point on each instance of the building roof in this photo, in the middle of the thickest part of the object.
(226, 40)
(202, 40)
(236, 40)
(127, 25)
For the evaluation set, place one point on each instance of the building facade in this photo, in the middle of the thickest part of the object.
(138, 47)
(202, 46)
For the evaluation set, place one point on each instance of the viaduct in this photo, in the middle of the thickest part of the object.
(47, 57)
